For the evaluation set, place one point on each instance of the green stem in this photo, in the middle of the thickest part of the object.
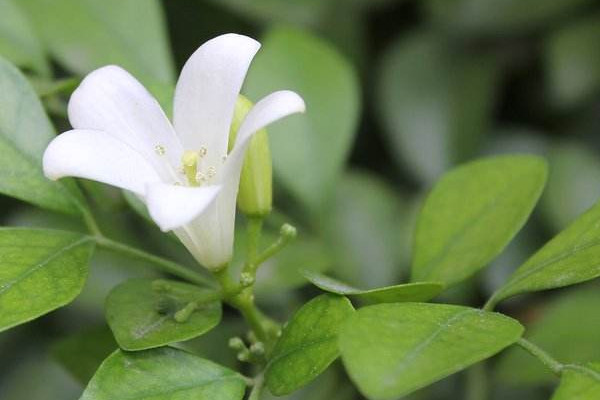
(491, 303)
(553, 365)
(242, 299)
(164, 264)
(477, 385)
(257, 387)
(254, 231)
(287, 234)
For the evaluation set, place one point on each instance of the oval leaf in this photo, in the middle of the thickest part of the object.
(25, 131)
(308, 344)
(418, 291)
(40, 270)
(162, 374)
(571, 257)
(18, 41)
(85, 34)
(434, 102)
(472, 213)
(579, 383)
(391, 350)
(142, 317)
(317, 143)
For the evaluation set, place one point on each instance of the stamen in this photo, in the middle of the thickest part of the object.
(212, 171)
(160, 149)
(202, 152)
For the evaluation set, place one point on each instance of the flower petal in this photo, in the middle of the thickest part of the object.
(98, 156)
(172, 206)
(207, 90)
(111, 100)
(269, 109)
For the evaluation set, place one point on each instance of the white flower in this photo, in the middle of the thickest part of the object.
(182, 171)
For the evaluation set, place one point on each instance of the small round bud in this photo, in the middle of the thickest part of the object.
(288, 231)
(236, 343)
(257, 348)
(246, 279)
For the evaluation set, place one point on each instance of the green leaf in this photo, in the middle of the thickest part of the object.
(142, 316)
(573, 65)
(472, 213)
(579, 383)
(418, 291)
(570, 257)
(309, 150)
(391, 350)
(86, 34)
(82, 353)
(308, 344)
(498, 17)
(18, 42)
(163, 374)
(573, 183)
(369, 223)
(557, 330)
(434, 102)
(25, 131)
(40, 270)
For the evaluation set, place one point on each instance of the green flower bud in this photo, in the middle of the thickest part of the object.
(255, 196)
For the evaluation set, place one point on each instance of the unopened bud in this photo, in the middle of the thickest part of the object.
(255, 195)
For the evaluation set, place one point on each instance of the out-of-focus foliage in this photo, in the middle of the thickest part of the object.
(397, 93)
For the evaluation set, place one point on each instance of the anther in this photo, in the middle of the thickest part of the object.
(160, 149)
(212, 171)
(202, 152)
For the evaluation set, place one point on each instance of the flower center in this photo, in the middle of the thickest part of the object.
(195, 175)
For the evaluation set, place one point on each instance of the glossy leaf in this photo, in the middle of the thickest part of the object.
(369, 224)
(163, 374)
(418, 291)
(25, 131)
(579, 383)
(572, 63)
(557, 329)
(18, 41)
(40, 270)
(82, 353)
(570, 257)
(309, 150)
(434, 102)
(391, 350)
(472, 213)
(86, 34)
(308, 344)
(143, 317)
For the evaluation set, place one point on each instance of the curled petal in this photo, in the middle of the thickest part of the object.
(111, 100)
(269, 109)
(98, 156)
(207, 90)
(172, 206)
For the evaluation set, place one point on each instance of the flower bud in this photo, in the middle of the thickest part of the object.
(255, 194)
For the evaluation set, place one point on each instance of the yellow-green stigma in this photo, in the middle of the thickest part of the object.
(190, 166)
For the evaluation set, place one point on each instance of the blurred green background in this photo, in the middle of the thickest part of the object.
(397, 91)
